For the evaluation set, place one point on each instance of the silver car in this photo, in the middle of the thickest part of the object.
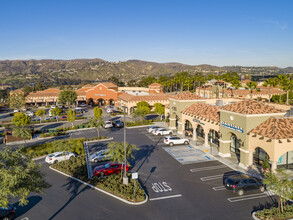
(100, 156)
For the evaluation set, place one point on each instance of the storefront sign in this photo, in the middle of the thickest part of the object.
(198, 121)
(231, 126)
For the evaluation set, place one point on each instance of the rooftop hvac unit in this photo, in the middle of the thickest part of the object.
(219, 103)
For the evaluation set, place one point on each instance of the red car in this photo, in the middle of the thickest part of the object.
(109, 168)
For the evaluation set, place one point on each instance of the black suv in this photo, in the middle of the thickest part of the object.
(7, 213)
(117, 124)
(242, 182)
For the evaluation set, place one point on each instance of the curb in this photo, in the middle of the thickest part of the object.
(140, 126)
(254, 217)
(96, 188)
(111, 138)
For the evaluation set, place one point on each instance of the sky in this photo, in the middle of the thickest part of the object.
(219, 32)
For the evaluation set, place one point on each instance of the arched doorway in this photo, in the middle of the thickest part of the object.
(188, 129)
(90, 101)
(213, 137)
(200, 131)
(286, 161)
(101, 102)
(235, 145)
(111, 102)
(259, 156)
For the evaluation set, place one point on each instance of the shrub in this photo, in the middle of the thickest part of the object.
(138, 123)
(113, 183)
(274, 213)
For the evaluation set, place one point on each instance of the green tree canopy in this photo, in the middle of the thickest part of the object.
(40, 113)
(160, 109)
(96, 123)
(16, 101)
(19, 177)
(141, 112)
(22, 132)
(71, 116)
(116, 151)
(98, 113)
(67, 97)
(142, 103)
(251, 86)
(21, 119)
(56, 112)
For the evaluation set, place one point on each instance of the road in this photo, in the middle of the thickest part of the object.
(176, 191)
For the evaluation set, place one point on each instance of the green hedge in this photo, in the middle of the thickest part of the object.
(274, 213)
(113, 183)
(72, 145)
(54, 134)
(138, 123)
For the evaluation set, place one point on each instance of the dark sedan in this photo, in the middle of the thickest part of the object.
(118, 124)
(7, 213)
(108, 169)
(242, 182)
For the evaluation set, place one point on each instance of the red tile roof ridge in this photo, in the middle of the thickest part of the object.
(186, 96)
(203, 110)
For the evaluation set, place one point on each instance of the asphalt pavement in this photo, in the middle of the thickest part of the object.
(176, 191)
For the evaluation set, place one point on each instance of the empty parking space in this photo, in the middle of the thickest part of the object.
(188, 155)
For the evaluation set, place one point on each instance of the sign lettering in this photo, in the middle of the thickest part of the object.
(232, 126)
(161, 187)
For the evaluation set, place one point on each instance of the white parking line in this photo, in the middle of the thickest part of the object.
(248, 197)
(211, 177)
(166, 197)
(207, 168)
(218, 188)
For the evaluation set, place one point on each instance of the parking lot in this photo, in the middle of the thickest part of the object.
(176, 190)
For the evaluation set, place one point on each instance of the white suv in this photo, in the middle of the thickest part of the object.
(59, 156)
(152, 128)
(172, 140)
(162, 131)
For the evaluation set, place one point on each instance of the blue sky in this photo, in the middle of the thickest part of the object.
(248, 33)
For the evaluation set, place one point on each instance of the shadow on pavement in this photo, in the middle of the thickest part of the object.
(51, 126)
(21, 210)
(74, 188)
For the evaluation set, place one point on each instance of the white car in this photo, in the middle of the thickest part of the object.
(29, 113)
(59, 156)
(108, 124)
(15, 110)
(110, 110)
(151, 128)
(53, 106)
(60, 106)
(162, 131)
(172, 140)
(99, 156)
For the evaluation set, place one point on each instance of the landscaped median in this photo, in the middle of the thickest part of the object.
(112, 185)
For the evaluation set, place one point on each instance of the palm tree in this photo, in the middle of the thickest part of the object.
(251, 86)
(116, 152)
(96, 123)
(235, 84)
(271, 82)
(22, 132)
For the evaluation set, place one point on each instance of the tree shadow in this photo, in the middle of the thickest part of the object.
(21, 210)
(151, 117)
(75, 189)
(51, 126)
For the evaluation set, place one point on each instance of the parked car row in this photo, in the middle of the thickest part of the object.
(116, 124)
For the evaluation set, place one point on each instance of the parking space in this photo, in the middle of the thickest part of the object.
(188, 154)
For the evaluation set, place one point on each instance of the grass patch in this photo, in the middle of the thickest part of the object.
(113, 183)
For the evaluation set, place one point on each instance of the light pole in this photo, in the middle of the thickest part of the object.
(125, 178)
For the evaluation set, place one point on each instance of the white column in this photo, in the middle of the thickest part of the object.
(206, 141)
(274, 166)
(194, 134)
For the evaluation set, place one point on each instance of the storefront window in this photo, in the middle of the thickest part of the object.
(200, 131)
(286, 161)
(214, 137)
(259, 156)
(235, 144)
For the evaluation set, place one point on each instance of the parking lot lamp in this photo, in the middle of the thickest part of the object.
(125, 178)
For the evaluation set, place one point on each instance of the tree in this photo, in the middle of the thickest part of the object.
(251, 86)
(4, 95)
(141, 112)
(131, 83)
(19, 177)
(146, 81)
(280, 185)
(67, 97)
(285, 84)
(56, 112)
(71, 116)
(21, 119)
(98, 113)
(271, 82)
(16, 101)
(96, 123)
(160, 109)
(22, 132)
(116, 152)
(40, 113)
(142, 103)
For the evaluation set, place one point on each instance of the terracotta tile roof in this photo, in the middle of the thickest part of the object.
(17, 91)
(203, 110)
(247, 92)
(87, 86)
(109, 85)
(51, 90)
(80, 93)
(251, 107)
(275, 128)
(245, 81)
(186, 96)
(43, 94)
(155, 84)
(132, 98)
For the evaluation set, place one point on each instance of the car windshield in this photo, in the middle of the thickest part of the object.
(107, 165)
(51, 155)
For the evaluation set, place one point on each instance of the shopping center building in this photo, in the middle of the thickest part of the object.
(248, 130)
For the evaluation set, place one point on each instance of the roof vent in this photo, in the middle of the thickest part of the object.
(219, 103)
